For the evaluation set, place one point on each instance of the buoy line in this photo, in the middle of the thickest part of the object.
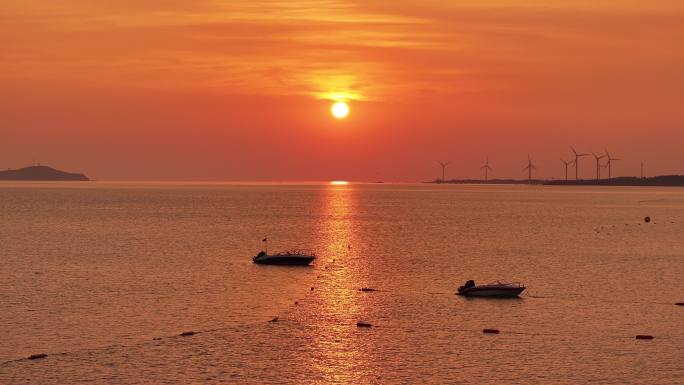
(359, 324)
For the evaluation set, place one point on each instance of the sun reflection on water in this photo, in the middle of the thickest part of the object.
(341, 348)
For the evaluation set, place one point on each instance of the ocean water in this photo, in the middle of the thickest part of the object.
(103, 277)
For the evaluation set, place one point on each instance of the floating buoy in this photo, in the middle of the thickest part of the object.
(644, 337)
(647, 219)
(187, 334)
(275, 319)
(311, 288)
(296, 302)
(37, 356)
(367, 289)
(363, 324)
(490, 331)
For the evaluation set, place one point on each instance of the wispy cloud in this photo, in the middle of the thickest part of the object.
(332, 48)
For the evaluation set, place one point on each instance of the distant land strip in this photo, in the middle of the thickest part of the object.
(660, 181)
(40, 173)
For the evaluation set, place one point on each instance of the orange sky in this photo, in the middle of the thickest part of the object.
(241, 89)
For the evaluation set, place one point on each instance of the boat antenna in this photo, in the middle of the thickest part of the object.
(265, 241)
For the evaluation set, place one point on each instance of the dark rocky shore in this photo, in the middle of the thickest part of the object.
(661, 180)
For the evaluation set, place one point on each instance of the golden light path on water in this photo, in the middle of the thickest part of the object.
(339, 300)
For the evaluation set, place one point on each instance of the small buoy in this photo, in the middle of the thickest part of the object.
(296, 302)
(644, 337)
(275, 319)
(363, 324)
(37, 356)
(647, 219)
(186, 334)
(367, 289)
(311, 288)
(679, 303)
(490, 331)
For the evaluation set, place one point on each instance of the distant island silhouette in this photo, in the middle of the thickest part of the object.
(660, 180)
(41, 173)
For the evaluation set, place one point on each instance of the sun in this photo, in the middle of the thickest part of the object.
(340, 110)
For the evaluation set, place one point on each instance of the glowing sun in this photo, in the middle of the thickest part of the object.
(340, 110)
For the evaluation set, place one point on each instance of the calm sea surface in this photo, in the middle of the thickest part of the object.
(103, 277)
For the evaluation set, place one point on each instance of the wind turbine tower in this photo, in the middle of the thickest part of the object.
(577, 156)
(598, 165)
(486, 169)
(529, 169)
(567, 163)
(444, 165)
(610, 162)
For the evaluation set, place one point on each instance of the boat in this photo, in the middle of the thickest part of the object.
(496, 289)
(291, 257)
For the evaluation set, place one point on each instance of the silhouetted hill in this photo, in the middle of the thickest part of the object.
(41, 173)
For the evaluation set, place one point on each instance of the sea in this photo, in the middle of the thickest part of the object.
(153, 283)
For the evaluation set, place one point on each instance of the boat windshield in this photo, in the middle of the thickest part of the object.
(508, 284)
(297, 252)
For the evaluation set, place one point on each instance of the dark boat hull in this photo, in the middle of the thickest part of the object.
(496, 292)
(285, 260)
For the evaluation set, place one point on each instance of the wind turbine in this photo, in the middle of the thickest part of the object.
(577, 156)
(486, 168)
(610, 160)
(598, 165)
(567, 163)
(444, 165)
(529, 169)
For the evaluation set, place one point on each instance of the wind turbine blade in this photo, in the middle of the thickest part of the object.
(573, 150)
